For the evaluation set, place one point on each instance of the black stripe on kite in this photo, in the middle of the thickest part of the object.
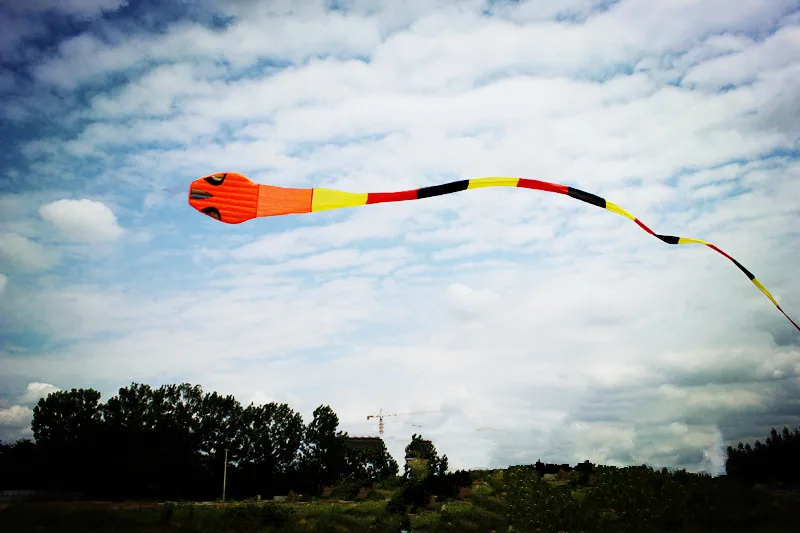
(743, 269)
(669, 239)
(445, 188)
(587, 197)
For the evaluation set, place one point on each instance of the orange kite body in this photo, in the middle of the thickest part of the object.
(241, 199)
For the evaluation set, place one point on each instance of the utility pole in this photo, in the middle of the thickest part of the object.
(225, 474)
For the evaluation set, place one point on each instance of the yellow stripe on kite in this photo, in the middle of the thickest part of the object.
(684, 240)
(618, 210)
(765, 291)
(477, 183)
(324, 199)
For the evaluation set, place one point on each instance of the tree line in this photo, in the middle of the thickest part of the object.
(776, 460)
(170, 443)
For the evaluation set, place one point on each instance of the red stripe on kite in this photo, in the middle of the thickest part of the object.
(790, 320)
(526, 183)
(720, 251)
(641, 225)
(380, 197)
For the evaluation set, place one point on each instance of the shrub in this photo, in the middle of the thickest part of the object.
(346, 489)
(534, 504)
(396, 504)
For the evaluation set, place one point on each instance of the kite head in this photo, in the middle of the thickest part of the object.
(228, 197)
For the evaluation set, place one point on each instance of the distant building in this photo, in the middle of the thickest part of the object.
(365, 443)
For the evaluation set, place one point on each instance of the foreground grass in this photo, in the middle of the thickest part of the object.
(202, 518)
(629, 500)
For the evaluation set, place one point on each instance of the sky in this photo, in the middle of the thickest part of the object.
(534, 325)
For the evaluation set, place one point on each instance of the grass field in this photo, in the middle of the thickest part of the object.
(495, 504)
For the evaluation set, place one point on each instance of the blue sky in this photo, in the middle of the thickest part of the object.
(565, 328)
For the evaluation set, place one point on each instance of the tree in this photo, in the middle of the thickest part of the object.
(323, 452)
(368, 461)
(424, 450)
(270, 439)
(21, 465)
(153, 435)
(66, 418)
(219, 420)
(774, 461)
(130, 443)
(219, 429)
(66, 426)
(169, 443)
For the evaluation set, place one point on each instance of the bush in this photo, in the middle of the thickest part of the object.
(390, 483)
(447, 485)
(374, 496)
(416, 495)
(346, 489)
(534, 504)
(497, 482)
(396, 504)
(253, 516)
(639, 499)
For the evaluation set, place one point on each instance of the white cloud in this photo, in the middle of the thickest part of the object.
(34, 391)
(25, 253)
(746, 63)
(82, 220)
(15, 420)
(716, 455)
(566, 328)
(3, 282)
(468, 302)
(151, 95)
(291, 38)
(15, 416)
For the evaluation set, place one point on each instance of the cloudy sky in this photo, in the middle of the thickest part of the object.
(542, 327)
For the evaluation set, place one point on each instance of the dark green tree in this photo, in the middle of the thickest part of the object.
(66, 425)
(156, 434)
(21, 465)
(424, 450)
(219, 426)
(170, 442)
(66, 418)
(370, 462)
(220, 429)
(777, 460)
(130, 409)
(323, 451)
(131, 445)
(270, 438)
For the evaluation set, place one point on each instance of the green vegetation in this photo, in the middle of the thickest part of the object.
(140, 458)
(643, 499)
(520, 499)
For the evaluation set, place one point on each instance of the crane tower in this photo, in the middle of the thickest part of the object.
(381, 415)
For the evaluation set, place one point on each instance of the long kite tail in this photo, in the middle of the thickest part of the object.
(323, 199)
(240, 199)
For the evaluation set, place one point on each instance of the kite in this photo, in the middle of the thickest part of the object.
(233, 198)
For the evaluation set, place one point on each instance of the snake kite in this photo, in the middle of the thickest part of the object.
(233, 198)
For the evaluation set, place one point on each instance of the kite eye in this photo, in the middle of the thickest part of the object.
(199, 194)
(213, 212)
(216, 179)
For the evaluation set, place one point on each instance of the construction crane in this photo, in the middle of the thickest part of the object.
(381, 415)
